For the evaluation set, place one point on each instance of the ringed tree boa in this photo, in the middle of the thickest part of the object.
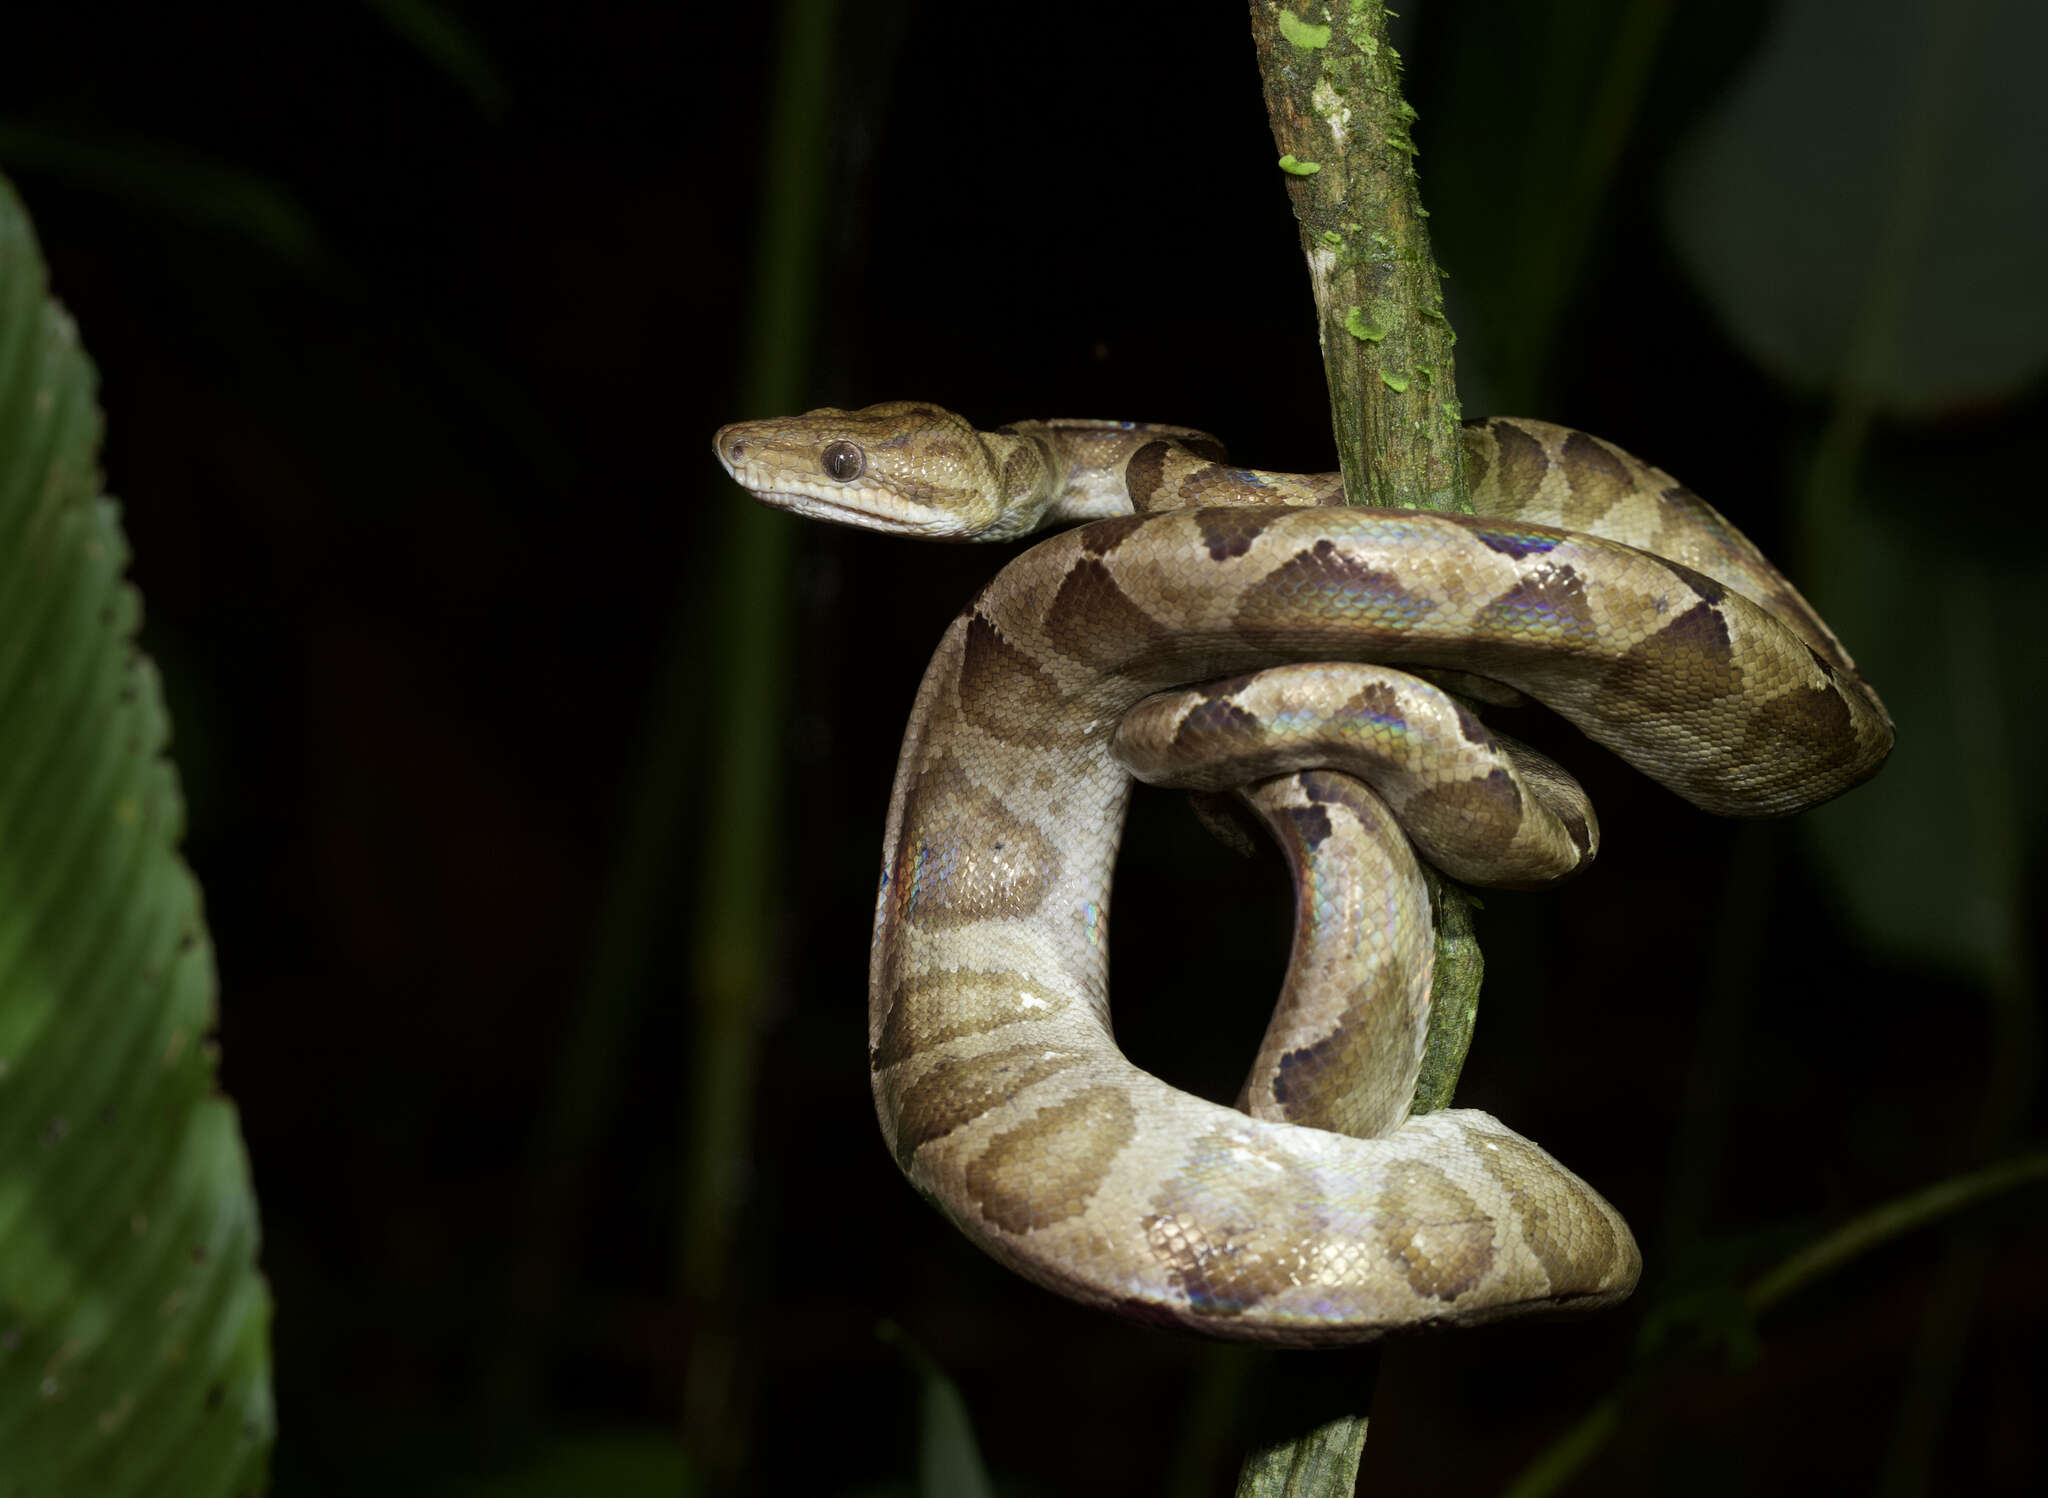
(1203, 628)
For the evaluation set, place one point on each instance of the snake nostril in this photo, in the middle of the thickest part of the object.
(737, 451)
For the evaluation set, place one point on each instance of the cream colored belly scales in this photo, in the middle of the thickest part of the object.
(1181, 635)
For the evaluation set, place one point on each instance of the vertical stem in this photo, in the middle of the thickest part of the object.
(732, 940)
(747, 615)
(1564, 182)
(1333, 94)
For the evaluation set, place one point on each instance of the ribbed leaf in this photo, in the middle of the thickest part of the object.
(134, 1328)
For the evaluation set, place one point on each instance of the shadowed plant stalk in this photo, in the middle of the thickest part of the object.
(733, 748)
(732, 943)
(1342, 129)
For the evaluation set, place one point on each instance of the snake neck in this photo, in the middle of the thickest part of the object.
(1096, 469)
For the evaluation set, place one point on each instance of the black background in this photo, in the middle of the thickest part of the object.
(410, 369)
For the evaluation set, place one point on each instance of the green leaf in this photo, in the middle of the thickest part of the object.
(948, 1458)
(172, 184)
(452, 47)
(1943, 618)
(1866, 208)
(134, 1355)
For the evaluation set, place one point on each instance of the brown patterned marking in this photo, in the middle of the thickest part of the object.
(1324, 583)
(1002, 691)
(1145, 471)
(941, 455)
(1806, 721)
(954, 1093)
(1574, 824)
(1027, 463)
(1436, 1233)
(1709, 589)
(1686, 515)
(1492, 802)
(1100, 537)
(1230, 532)
(964, 857)
(1600, 479)
(1686, 662)
(1325, 489)
(1092, 619)
(1223, 686)
(1550, 604)
(1378, 701)
(1217, 716)
(1470, 729)
(935, 1008)
(1523, 466)
(1336, 788)
(1221, 484)
(1339, 1082)
(1478, 455)
(1048, 1168)
(1560, 1220)
(1229, 1232)
(1203, 446)
(1693, 512)
(1311, 825)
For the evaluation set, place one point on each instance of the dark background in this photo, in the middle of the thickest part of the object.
(413, 325)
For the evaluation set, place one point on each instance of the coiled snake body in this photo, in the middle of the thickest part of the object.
(1591, 582)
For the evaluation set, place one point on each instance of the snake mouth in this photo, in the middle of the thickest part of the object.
(911, 520)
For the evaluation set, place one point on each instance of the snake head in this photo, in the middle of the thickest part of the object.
(902, 466)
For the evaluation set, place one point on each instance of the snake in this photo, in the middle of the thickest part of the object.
(1322, 669)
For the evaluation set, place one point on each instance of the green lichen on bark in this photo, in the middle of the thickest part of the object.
(1302, 33)
(1366, 240)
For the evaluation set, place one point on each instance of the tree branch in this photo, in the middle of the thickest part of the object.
(1334, 97)
(1332, 85)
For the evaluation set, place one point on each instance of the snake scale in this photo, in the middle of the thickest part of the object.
(1211, 626)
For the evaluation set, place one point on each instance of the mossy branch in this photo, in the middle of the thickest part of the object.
(1333, 94)
(1347, 157)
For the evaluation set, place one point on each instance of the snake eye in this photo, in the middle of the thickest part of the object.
(844, 461)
